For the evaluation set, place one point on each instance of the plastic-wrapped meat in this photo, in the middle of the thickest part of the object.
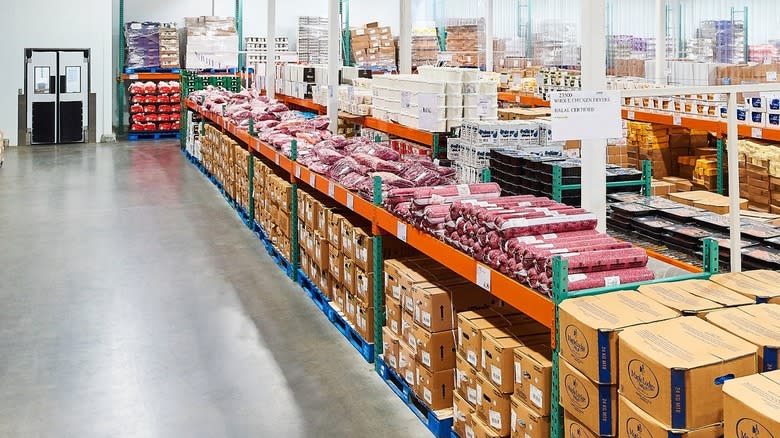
(391, 180)
(328, 156)
(551, 224)
(581, 281)
(319, 167)
(277, 108)
(265, 124)
(326, 144)
(267, 117)
(512, 245)
(606, 260)
(309, 137)
(345, 166)
(378, 151)
(377, 164)
(420, 175)
(353, 180)
(320, 122)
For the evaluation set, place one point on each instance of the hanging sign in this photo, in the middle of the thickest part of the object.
(585, 115)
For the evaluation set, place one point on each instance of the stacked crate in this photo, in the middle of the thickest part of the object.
(169, 46)
(257, 49)
(313, 39)
(373, 45)
(466, 42)
(649, 142)
(425, 45)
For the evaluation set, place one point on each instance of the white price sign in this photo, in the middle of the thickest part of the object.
(312, 179)
(133, 77)
(298, 172)
(350, 201)
(585, 115)
(771, 76)
(677, 120)
(287, 56)
(483, 105)
(331, 189)
(406, 99)
(483, 277)
(400, 231)
(631, 115)
(426, 106)
(756, 133)
(276, 159)
(445, 57)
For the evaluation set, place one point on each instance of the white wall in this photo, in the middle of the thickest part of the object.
(80, 24)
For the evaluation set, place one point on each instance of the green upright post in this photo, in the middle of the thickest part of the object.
(720, 166)
(559, 294)
(240, 32)
(377, 138)
(379, 277)
(251, 201)
(557, 182)
(647, 176)
(711, 255)
(251, 128)
(346, 36)
(120, 85)
(435, 146)
(294, 244)
(486, 177)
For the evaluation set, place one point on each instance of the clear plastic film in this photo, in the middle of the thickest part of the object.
(143, 44)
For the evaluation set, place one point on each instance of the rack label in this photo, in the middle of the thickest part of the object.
(312, 179)
(677, 120)
(444, 57)
(331, 189)
(756, 132)
(134, 77)
(400, 231)
(406, 99)
(631, 115)
(483, 105)
(297, 171)
(771, 76)
(575, 113)
(350, 201)
(483, 277)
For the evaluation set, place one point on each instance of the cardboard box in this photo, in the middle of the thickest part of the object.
(436, 304)
(752, 406)
(320, 253)
(435, 351)
(324, 280)
(407, 366)
(407, 331)
(462, 412)
(573, 428)
(470, 326)
(312, 210)
(480, 429)
(390, 347)
(335, 263)
(364, 283)
(393, 315)
(498, 347)
(590, 325)
(364, 322)
(677, 298)
(348, 274)
(673, 370)
(363, 247)
(714, 292)
(494, 406)
(753, 327)
(340, 300)
(435, 388)
(334, 228)
(636, 423)
(351, 308)
(526, 422)
(593, 404)
(466, 380)
(533, 377)
(347, 246)
(760, 286)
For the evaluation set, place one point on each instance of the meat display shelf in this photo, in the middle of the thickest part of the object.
(151, 76)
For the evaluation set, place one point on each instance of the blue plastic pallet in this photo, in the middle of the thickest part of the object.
(363, 347)
(439, 427)
(152, 136)
(133, 70)
(314, 292)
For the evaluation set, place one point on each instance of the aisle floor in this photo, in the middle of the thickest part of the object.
(133, 302)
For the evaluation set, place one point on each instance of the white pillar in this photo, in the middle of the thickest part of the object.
(674, 6)
(405, 38)
(270, 63)
(334, 62)
(733, 159)
(594, 152)
(660, 42)
(489, 35)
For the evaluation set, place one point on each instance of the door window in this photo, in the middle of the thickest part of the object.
(42, 80)
(73, 79)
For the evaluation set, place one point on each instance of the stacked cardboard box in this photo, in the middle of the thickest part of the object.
(752, 406)
(425, 45)
(219, 156)
(760, 173)
(169, 46)
(647, 141)
(466, 41)
(313, 39)
(373, 45)
(143, 44)
(758, 185)
(211, 42)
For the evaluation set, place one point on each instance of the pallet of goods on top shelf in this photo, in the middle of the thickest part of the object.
(210, 43)
(154, 106)
(425, 44)
(373, 45)
(466, 42)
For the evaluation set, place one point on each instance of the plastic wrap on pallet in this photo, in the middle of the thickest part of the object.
(143, 44)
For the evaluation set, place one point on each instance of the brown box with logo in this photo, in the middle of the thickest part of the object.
(479, 429)
(345, 230)
(752, 406)
(466, 380)
(320, 253)
(462, 412)
(407, 331)
(533, 376)
(364, 287)
(593, 404)
(435, 351)
(348, 274)
(393, 315)
(526, 422)
(674, 370)
(761, 286)
(364, 321)
(470, 326)
(407, 366)
(679, 299)
(312, 212)
(390, 347)
(363, 246)
(573, 428)
(590, 325)
(435, 388)
(437, 303)
(494, 406)
(335, 263)
(712, 291)
(752, 325)
(498, 349)
(636, 423)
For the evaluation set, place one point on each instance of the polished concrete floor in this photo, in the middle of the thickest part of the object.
(134, 303)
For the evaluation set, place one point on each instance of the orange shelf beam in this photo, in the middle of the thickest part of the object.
(398, 130)
(704, 124)
(302, 103)
(151, 76)
(523, 99)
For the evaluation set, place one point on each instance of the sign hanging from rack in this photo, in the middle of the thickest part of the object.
(427, 111)
(585, 115)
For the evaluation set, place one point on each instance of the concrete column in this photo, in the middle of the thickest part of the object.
(405, 38)
(733, 158)
(270, 63)
(660, 42)
(489, 35)
(334, 62)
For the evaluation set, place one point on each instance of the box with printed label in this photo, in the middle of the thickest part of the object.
(407, 366)
(339, 301)
(752, 406)
(590, 327)
(754, 327)
(364, 283)
(675, 369)
(364, 322)
(573, 428)
(462, 412)
(435, 388)
(636, 423)
(351, 308)
(435, 304)
(312, 211)
(675, 297)
(346, 239)
(348, 274)
(593, 404)
(761, 286)
(494, 406)
(363, 247)
(480, 429)
(302, 197)
(322, 225)
(334, 228)
(498, 348)
(393, 315)
(466, 380)
(533, 376)
(435, 351)
(321, 247)
(526, 422)
(470, 326)
(335, 263)
(324, 280)
(407, 331)
(390, 347)
(714, 292)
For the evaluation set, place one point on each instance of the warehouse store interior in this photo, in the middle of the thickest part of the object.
(411, 218)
